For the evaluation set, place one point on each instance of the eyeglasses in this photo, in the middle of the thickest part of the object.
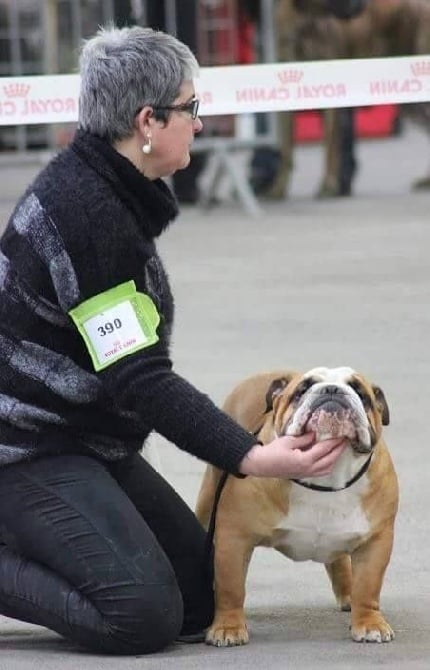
(191, 107)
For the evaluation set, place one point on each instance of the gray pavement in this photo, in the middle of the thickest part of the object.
(342, 282)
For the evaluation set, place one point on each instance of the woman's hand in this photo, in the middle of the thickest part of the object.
(293, 457)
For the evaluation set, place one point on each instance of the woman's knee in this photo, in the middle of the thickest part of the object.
(146, 622)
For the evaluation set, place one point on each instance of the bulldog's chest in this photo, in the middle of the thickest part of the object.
(320, 525)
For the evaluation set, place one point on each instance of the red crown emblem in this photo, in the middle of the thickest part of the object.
(290, 76)
(421, 69)
(16, 90)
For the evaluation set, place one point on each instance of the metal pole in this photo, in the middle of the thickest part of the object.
(108, 11)
(268, 49)
(49, 16)
(170, 12)
(76, 27)
(20, 131)
(139, 11)
(269, 53)
(50, 32)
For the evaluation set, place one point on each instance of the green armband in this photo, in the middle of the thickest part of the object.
(116, 323)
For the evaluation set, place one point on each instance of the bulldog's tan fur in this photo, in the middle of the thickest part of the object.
(350, 530)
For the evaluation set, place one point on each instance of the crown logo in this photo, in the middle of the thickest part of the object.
(421, 69)
(290, 76)
(16, 90)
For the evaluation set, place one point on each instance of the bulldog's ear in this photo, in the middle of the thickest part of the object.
(275, 388)
(382, 405)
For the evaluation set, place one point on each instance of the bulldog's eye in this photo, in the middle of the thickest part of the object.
(304, 386)
(362, 394)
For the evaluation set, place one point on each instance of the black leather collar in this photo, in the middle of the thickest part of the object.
(319, 487)
(355, 478)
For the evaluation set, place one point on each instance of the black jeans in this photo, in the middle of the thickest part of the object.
(107, 555)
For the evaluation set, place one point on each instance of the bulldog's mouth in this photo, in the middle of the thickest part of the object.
(327, 423)
(332, 419)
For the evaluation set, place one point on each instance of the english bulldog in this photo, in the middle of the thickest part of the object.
(344, 520)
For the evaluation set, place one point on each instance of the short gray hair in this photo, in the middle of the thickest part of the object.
(124, 69)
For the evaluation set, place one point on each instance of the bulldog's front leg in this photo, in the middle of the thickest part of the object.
(232, 556)
(369, 563)
(340, 575)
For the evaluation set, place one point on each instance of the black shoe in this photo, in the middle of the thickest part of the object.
(192, 638)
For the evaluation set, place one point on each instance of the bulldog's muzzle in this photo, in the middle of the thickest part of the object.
(332, 410)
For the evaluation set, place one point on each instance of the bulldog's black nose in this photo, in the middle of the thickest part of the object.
(331, 389)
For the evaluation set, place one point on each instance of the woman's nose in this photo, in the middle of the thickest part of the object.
(198, 125)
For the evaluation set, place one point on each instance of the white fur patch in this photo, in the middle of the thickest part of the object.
(331, 375)
(320, 525)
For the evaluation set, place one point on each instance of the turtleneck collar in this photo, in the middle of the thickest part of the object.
(152, 202)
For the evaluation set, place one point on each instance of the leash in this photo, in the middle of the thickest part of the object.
(219, 489)
(211, 528)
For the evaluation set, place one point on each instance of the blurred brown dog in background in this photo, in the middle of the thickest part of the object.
(305, 30)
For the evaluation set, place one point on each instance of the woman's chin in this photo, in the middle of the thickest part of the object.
(170, 170)
(186, 162)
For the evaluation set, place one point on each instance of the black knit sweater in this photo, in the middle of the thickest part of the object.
(86, 225)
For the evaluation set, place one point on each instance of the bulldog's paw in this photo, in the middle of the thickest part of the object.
(372, 629)
(344, 603)
(220, 635)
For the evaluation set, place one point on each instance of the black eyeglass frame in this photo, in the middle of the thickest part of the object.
(192, 107)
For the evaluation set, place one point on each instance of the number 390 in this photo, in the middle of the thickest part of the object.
(109, 327)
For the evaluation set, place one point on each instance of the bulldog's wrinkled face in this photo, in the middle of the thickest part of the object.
(332, 402)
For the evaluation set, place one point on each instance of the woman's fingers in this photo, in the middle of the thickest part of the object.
(325, 454)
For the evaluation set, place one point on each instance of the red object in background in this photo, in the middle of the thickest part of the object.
(378, 121)
(246, 35)
(218, 34)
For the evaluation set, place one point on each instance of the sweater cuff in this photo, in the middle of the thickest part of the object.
(238, 474)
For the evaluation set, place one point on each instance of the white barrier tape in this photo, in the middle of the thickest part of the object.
(243, 88)
(39, 99)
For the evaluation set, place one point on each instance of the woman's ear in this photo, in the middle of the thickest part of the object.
(145, 119)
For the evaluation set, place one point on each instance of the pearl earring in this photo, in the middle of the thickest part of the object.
(147, 147)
